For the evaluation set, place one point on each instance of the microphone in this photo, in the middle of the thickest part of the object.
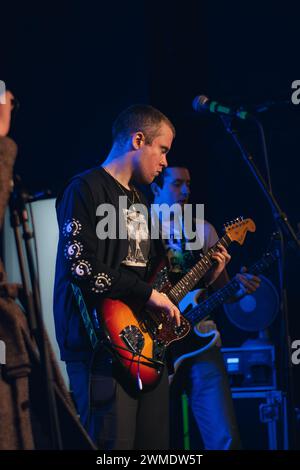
(39, 195)
(202, 104)
(20, 191)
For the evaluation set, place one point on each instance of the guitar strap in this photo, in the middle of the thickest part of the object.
(90, 326)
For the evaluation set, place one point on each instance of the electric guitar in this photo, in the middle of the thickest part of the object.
(139, 338)
(196, 342)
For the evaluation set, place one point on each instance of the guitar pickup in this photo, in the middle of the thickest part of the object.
(159, 350)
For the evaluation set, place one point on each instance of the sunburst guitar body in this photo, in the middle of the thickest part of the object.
(139, 338)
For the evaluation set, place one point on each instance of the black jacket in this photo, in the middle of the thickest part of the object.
(93, 264)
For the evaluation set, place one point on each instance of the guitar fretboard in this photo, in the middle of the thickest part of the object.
(189, 280)
(218, 298)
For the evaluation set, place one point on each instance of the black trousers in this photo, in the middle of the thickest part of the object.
(115, 413)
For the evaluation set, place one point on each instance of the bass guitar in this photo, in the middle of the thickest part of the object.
(196, 342)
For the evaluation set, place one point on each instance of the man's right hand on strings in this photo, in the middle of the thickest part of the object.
(160, 301)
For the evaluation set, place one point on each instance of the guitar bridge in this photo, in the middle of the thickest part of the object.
(133, 338)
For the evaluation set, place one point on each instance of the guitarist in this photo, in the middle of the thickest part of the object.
(116, 414)
(203, 377)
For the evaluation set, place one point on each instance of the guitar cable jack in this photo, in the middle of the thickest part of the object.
(139, 381)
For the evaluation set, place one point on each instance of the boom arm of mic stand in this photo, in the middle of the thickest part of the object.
(278, 214)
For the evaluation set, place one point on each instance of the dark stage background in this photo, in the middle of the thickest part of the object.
(74, 69)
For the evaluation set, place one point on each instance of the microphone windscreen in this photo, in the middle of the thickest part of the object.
(199, 102)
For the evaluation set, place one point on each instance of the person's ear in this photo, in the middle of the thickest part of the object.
(138, 140)
(155, 189)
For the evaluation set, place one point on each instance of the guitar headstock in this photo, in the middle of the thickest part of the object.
(237, 229)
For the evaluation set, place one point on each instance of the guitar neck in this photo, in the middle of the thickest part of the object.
(189, 280)
(222, 295)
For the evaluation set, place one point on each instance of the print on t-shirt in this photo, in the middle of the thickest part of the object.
(138, 238)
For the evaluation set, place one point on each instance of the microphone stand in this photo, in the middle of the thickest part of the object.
(19, 217)
(285, 230)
